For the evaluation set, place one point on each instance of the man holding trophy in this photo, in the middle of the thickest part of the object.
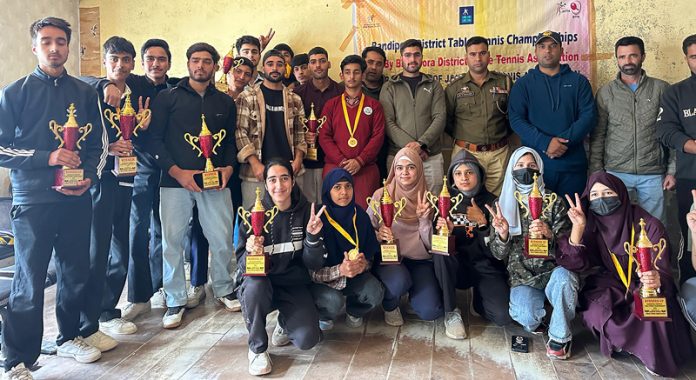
(192, 141)
(48, 215)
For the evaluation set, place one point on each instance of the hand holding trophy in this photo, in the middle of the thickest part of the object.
(257, 259)
(126, 166)
(387, 211)
(535, 244)
(312, 126)
(69, 136)
(442, 243)
(211, 178)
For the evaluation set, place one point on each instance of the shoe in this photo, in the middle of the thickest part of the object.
(172, 318)
(541, 329)
(194, 296)
(279, 337)
(159, 300)
(133, 310)
(118, 326)
(393, 318)
(651, 372)
(326, 324)
(19, 372)
(454, 326)
(353, 322)
(101, 341)
(230, 302)
(556, 350)
(259, 364)
(79, 350)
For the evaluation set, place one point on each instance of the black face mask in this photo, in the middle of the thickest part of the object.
(524, 176)
(605, 206)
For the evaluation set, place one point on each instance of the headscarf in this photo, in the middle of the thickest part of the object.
(398, 191)
(508, 203)
(335, 243)
(467, 159)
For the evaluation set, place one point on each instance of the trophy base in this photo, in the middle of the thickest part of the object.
(209, 180)
(125, 166)
(536, 248)
(312, 154)
(442, 245)
(68, 178)
(256, 265)
(651, 308)
(389, 252)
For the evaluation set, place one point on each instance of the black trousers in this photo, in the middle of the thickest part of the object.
(362, 293)
(41, 229)
(684, 201)
(297, 313)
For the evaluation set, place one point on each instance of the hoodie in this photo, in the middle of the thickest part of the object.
(562, 105)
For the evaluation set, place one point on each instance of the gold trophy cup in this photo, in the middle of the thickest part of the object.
(211, 178)
(312, 125)
(387, 211)
(127, 126)
(442, 243)
(648, 304)
(69, 137)
(536, 246)
(257, 261)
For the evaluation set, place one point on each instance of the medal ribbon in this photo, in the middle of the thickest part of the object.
(357, 116)
(343, 232)
(625, 279)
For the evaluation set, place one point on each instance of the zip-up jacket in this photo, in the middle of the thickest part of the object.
(27, 106)
(410, 119)
(290, 248)
(178, 111)
(624, 139)
(676, 123)
(562, 105)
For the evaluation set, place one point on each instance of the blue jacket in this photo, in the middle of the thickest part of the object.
(26, 108)
(542, 107)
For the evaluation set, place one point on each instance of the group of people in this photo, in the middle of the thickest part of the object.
(254, 131)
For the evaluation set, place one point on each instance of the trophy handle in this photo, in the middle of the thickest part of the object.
(432, 199)
(456, 201)
(271, 214)
(320, 122)
(243, 214)
(141, 117)
(520, 199)
(630, 250)
(218, 136)
(192, 140)
(374, 205)
(399, 206)
(57, 129)
(110, 117)
(304, 121)
(85, 130)
(551, 200)
(659, 248)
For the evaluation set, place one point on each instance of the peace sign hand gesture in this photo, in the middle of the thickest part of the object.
(423, 207)
(500, 224)
(315, 224)
(575, 213)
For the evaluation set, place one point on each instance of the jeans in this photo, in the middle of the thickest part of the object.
(688, 301)
(646, 190)
(362, 293)
(419, 280)
(527, 304)
(215, 216)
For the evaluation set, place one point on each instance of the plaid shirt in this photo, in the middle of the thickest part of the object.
(330, 276)
(251, 125)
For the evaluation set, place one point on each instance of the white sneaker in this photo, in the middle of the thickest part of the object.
(133, 310)
(118, 326)
(259, 364)
(194, 296)
(101, 341)
(353, 322)
(172, 318)
(158, 300)
(279, 337)
(393, 318)
(18, 372)
(79, 350)
(230, 304)
(326, 324)
(454, 326)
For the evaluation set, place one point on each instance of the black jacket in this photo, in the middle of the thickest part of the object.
(291, 250)
(26, 108)
(676, 123)
(177, 111)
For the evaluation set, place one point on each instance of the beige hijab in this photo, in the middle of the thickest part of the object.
(398, 191)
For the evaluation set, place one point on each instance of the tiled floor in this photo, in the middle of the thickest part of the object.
(211, 344)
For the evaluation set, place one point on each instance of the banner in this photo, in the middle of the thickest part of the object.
(510, 26)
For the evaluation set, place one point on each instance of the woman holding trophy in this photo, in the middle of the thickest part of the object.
(527, 221)
(615, 239)
(288, 244)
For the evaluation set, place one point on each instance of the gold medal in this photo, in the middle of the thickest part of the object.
(353, 254)
(352, 142)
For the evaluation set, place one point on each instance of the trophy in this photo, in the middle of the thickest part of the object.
(442, 243)
(312, 125)
(69, 137)
(648, 304)
(211, 178)
(536, 246)
(126, 166)
(257, 261)
(387, 211)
